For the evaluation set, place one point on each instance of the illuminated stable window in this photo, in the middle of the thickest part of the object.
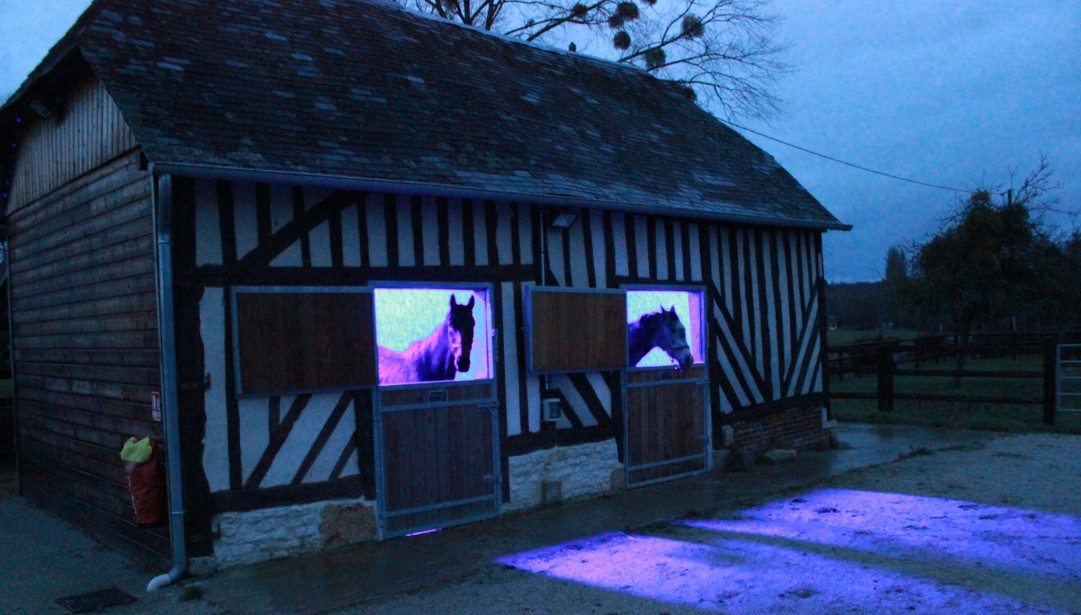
(432, 334)
(665, 328)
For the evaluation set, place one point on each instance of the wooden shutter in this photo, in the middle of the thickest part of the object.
(576, 330)
(291, 341)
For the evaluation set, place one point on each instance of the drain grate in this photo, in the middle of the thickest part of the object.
(92, 601)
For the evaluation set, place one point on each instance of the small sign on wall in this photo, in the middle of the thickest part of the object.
(155, 406)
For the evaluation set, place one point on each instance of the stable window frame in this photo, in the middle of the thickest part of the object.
(492, 341)
(703, 347)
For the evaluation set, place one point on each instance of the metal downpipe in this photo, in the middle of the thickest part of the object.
(163, 202)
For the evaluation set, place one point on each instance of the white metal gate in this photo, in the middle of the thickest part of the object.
(1069, 378)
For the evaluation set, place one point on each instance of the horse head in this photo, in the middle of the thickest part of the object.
(671, 336)
(460, 325)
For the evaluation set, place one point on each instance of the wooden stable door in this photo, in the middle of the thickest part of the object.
(666, 429)
(438, 461)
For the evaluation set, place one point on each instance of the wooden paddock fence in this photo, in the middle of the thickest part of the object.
(923, 357)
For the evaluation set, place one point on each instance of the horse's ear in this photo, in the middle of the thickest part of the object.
(453, 301)
(472, 302)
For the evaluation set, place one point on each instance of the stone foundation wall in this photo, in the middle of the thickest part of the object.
(271, 533)
(564, 473)
(797, 428)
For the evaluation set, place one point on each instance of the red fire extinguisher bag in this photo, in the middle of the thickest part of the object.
(145, 481)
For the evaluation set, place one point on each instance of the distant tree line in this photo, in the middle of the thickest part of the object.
(994, 265)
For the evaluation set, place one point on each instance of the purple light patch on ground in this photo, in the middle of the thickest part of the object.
(422, 532)
(900, 526)
(835, 550)
(629, 563)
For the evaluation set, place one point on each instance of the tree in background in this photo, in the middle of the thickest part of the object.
(896, 277)
(722, 50)
(979, 268)
(995, 261)
(1071, 272)
(896, 266)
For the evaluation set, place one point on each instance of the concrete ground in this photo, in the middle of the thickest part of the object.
(47, 559)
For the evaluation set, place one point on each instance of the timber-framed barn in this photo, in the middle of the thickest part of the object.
(230, 206)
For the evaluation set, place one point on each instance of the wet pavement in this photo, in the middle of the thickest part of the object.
(51, 559)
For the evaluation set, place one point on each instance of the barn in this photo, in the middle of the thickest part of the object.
(256, 219)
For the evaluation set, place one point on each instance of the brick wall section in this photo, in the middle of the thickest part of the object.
(797, 428)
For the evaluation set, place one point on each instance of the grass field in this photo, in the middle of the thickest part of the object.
(841, 337)
(994, 417)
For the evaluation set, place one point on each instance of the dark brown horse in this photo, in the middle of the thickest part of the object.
(659, 330)
(440, 356)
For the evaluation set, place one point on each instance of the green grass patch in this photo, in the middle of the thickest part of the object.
(842, 337)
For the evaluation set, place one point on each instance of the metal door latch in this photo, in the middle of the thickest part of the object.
(204, 385)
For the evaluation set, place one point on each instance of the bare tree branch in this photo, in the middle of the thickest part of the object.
(726, 51)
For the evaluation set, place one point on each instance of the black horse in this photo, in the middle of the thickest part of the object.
(440, 356)
(662, 330)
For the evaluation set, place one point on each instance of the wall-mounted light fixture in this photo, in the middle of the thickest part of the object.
(564, 219)
(41, 108)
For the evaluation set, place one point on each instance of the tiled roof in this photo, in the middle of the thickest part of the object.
(368, 90)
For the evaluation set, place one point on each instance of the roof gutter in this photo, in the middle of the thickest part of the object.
(163, 214)
(346, 182)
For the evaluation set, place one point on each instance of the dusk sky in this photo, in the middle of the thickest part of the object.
(955, 93)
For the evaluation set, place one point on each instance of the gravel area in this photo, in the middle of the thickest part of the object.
(992, 528)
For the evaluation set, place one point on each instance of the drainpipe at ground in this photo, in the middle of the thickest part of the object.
(162, 189)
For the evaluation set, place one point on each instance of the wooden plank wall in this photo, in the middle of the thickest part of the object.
(87, 133)
(84, 320)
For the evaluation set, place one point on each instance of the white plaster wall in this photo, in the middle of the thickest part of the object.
(254, 438)
(207, 224)
(245, 218)
(585, 470)
(254, 433)
(215, 442)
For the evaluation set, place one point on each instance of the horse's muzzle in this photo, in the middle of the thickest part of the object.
(463, 364)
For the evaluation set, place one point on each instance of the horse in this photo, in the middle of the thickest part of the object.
(659, 330)
(440, 356)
